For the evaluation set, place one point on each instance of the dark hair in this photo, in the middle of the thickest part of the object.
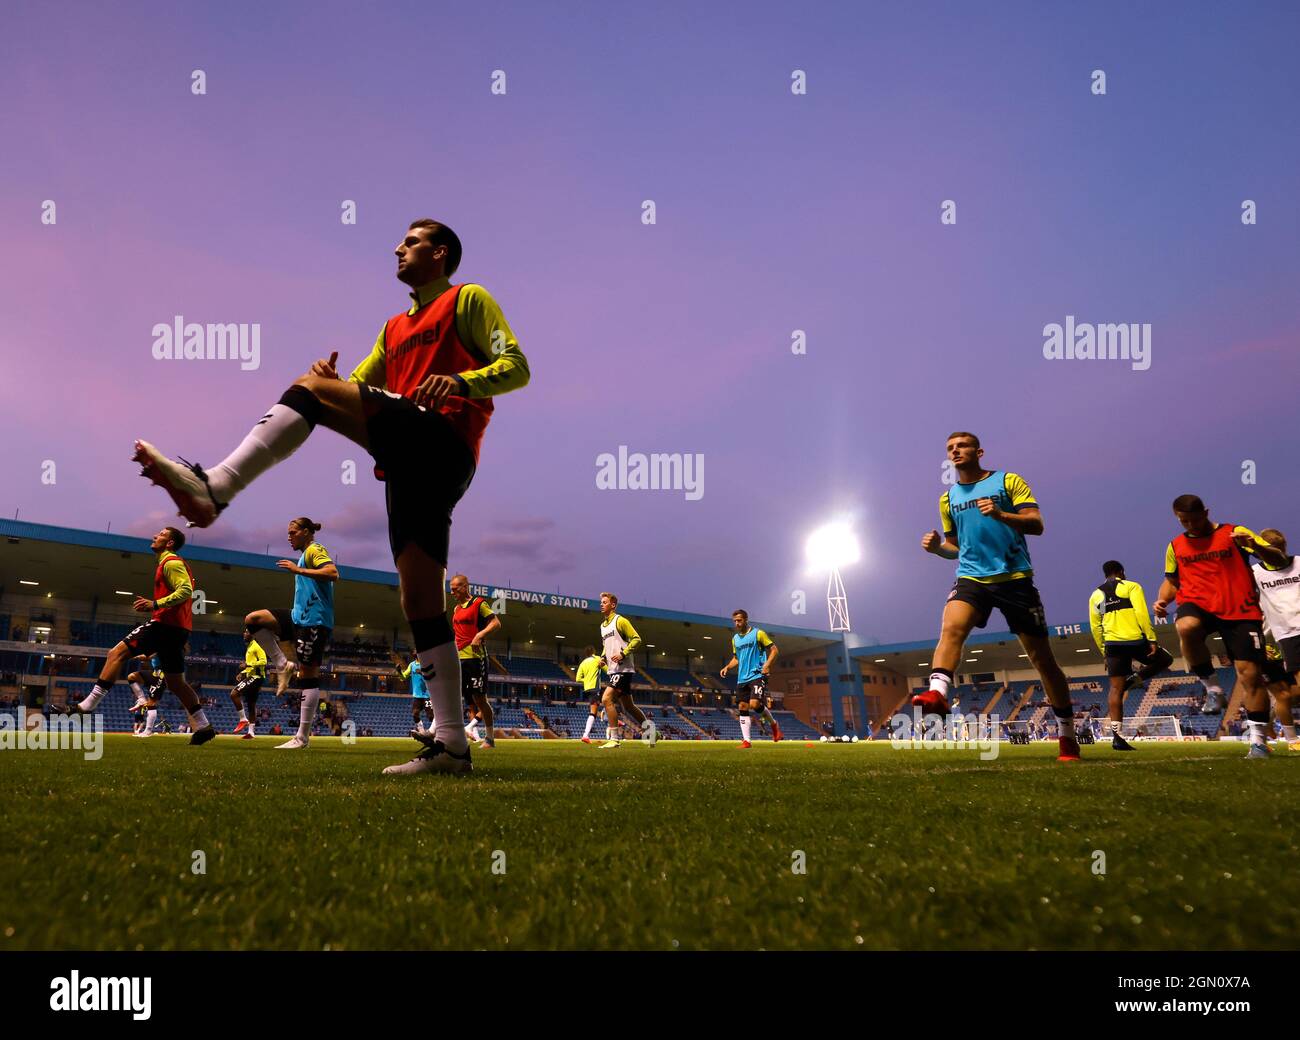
(1188, 504)
(1112, 567)
(178, 538)
(306, 524)
(441, 235)
(742, 613)
(588, 651)
(964, 433)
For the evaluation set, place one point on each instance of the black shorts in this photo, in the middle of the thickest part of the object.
(621, 684)
(309, 641)
(756, 690)
(1290, 647)
(594, 694)
(1274, 671)
(249, 686)
(165, 641)
(1120, 656)
(1243, 640)
(1018, 600)
(425, 466)
(473, 678)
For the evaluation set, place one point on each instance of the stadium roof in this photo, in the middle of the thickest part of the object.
(80, 565)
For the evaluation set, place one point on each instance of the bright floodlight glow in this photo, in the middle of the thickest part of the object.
(831, 546)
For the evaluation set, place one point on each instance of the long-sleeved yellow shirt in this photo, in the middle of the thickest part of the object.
(1117, 613)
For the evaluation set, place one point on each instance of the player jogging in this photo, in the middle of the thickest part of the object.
(753, 654)
(620, 640)
(986, 517)
(1279, 598)
(248, 685)
(1206, 569)
(419, 694)
(588, 675)
(307, 625)
(164, 634)
(419, 403)
(1122, 630)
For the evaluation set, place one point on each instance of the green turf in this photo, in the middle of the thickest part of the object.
(687, 845)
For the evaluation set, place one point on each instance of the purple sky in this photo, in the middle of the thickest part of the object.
(775, 213)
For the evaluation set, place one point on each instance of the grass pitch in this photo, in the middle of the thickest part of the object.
(683, 846)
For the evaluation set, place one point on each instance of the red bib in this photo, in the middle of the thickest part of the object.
(1214, 575)
(179, 614)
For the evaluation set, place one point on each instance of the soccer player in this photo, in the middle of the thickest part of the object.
(164, 634)
(589, 676)
(986, 517)
(1206, 570)
(752, 653)
(248, 685)
(1282, 688)
(419, 695)
(620, 641)
(307, 625)
(1279, 598)
(472, 621)
(1122, 630)
(419, 403)
(146, 683)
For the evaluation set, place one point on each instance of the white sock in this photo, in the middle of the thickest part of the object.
(270, 645)
(941, 683)
(441, 667)
(307, 712)
(150, 719)
(609, 732)
(277, 435)
(745, 723)
(1258, 732)
(591, 724)
(1065, 727)
(243, 714)
(198, 720)
(1288, 732)
(138, 690)
(1114, 727)
(97, 693)
(252, 728)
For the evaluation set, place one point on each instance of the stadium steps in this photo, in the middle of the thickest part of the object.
(1024, 700)
(495, 662)
(707, 682)
(650, 679)
(691, 723)
(568, 671)
(991, 707)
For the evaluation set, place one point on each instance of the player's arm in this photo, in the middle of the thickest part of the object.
(178, 580)
(494, 623)
(405, 673)
(1139, 601)
(765, 640)
(1096, 619)
(944, 545)
(733, 663)
(626, 630)
(1168, 587)
(372, 371)
(319, 565)
(1249, 542)
(489, 335)
(1024, 515)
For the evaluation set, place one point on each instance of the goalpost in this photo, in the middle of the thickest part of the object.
(1143, 727)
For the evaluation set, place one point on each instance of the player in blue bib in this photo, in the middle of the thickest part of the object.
(419, 694)
(986, 516)
(752, 655)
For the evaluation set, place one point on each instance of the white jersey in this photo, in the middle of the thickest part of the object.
(1279, 595)
(614, 643)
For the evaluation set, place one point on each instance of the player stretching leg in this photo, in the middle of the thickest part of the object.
(308, 625)
(1206, 569)
(419, 694)
(419, 404)
(620, 641)
(588, 674)
(164, 634)
(1122, 630)
(986, 516)
(1279, 598)
(752, 654)
(248, 685)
